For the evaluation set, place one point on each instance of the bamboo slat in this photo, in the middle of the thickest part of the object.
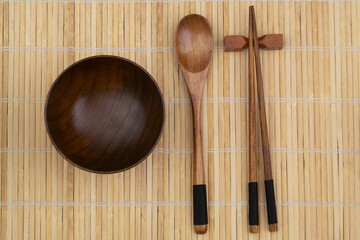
(312, 95)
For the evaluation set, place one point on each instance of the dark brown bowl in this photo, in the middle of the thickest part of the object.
(104, 114)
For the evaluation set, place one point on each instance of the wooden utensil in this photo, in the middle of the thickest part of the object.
(194, 46)
(104, 114)
(269, 184)
(268, 42)
(253, 185)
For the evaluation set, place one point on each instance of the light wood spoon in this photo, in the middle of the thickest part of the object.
(194, 46)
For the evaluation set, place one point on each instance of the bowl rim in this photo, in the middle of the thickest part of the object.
(117, 58)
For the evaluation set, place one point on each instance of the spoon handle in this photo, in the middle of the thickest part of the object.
(199, 186)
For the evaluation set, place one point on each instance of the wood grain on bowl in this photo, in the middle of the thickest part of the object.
(104, 114)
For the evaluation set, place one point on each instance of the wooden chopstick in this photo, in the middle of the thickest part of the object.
(253, 188)
(269, 184)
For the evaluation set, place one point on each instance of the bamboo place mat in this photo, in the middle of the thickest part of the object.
(312, 100)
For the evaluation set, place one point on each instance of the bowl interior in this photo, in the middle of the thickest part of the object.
(104, 114)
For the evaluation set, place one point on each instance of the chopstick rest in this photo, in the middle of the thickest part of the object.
(267, 42)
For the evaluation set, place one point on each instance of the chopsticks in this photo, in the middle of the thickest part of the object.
(253, 185)
(269, 184)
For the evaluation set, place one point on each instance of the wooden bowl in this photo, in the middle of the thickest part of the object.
(104, 114)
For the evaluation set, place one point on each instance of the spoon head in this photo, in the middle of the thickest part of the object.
(194, 43)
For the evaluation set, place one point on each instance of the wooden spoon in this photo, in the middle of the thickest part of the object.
(194, 47)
